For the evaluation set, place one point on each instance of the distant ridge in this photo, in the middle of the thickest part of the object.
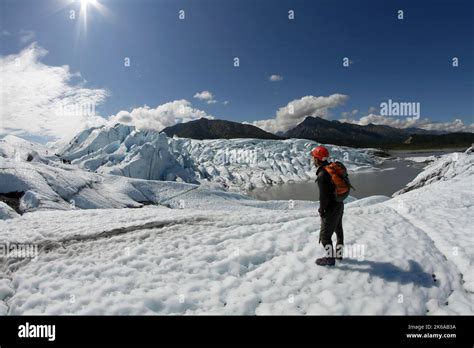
(217, 129)
(371, 135)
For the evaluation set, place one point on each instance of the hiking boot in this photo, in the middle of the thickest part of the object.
(339, 252)
(326, 261)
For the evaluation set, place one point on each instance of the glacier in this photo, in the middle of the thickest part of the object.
(233, 164)
(168, 247)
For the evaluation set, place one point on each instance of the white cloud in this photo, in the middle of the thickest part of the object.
(297, 110)
(407, 122)
(225, 102)
(39, 99)
(206, 96)
(455, 126)
(267, 125)
(275, 78)
(165, 115)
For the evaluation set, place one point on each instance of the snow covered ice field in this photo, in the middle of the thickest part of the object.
(201, 250)
(236, 164)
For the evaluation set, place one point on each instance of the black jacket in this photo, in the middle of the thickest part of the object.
(327, 197)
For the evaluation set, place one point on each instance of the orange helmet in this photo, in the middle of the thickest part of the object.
(320, 152)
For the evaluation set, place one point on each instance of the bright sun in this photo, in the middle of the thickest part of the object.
(83, 10)
(85, 3)
(85, 7)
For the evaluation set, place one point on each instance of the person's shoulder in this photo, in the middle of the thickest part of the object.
(321, 172)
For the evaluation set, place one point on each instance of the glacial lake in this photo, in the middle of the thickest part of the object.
(390, 177)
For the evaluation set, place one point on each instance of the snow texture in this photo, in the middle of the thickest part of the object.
(205, 251)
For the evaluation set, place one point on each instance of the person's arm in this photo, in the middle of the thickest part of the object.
(324, 185)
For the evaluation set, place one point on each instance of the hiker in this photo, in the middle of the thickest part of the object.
(334, 187)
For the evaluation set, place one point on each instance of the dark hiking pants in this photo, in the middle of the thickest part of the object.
(332, 222)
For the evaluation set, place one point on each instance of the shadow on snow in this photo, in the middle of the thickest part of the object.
(391, 273)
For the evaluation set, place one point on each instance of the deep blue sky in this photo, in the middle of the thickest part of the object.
(409, 60)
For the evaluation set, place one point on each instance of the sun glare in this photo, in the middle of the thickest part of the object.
(85, 3)
(85, 7)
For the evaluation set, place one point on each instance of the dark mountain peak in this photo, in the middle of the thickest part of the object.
(313, 120)
(204, 128)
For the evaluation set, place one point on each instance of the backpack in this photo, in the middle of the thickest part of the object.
(340, 179)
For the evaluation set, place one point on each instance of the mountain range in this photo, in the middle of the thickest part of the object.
(326, 132)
